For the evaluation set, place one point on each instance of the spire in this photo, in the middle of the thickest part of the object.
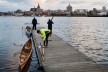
(69, 5)
(38, 6)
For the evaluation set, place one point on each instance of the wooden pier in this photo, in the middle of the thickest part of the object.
(61, 57)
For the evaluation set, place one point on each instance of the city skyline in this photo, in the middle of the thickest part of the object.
(12, 5)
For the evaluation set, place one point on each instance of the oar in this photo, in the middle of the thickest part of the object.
(52, 18)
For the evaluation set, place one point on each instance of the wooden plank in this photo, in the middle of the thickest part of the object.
(61, 57)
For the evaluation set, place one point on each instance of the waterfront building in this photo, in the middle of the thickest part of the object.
(81, 12)
(33, 9)
(1, 13)
(69, 9)
(37, 11)
(104, 9)
(28, 13)
(58, 12)
(47, 12)
(95, 12)
(18, 12)
(102, 14)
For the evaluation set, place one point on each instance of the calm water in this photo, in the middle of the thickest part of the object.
(86, 34)
(12, 39)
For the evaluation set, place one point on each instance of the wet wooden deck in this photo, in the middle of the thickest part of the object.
(61, 57)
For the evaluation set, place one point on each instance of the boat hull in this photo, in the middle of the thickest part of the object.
(25, 54)
(28, 31)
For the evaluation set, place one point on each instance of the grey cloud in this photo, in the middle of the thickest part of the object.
(72, 2)
(50, 1)
(99, 3)
(14, 4)
(16, 1)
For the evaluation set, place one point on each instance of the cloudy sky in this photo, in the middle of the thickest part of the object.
(11, 5)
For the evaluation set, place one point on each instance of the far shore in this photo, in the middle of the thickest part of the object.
(54, 16)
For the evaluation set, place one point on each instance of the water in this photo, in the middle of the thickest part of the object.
(12, 39)
(86, 34)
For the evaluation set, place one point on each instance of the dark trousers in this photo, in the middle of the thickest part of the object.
(51, 31)
(34, 27)
(46, 40)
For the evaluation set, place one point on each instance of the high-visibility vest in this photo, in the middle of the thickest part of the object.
(43, 33)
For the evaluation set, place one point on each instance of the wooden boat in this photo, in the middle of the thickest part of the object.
(28, 31)
(25, 54)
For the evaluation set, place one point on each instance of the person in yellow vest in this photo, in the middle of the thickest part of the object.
(44, 35)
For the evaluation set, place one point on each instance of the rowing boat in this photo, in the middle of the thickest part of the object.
(28, 31)
(25, 54)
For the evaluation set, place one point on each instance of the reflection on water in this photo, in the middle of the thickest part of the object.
(86, 34)
(12, 39)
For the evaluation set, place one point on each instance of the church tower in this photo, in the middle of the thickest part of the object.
(38, 6)
(38, 11)
(69, 8)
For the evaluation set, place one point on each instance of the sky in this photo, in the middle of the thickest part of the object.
(25, 5)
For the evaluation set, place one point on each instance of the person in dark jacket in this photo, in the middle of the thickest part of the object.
(34, 22)
(44, 34)
(50, 22)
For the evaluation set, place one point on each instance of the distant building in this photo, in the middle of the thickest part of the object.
(104, 9)
(47, 12)
(94, 12)
(18, 12)
(33, 9)
(81, 12)
(102, 14)
(28, 13)
(37, 11)
(58, 12)
(1, 13)
(69, 9)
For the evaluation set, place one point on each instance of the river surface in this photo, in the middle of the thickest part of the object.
(12, 39)
(86, 34)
